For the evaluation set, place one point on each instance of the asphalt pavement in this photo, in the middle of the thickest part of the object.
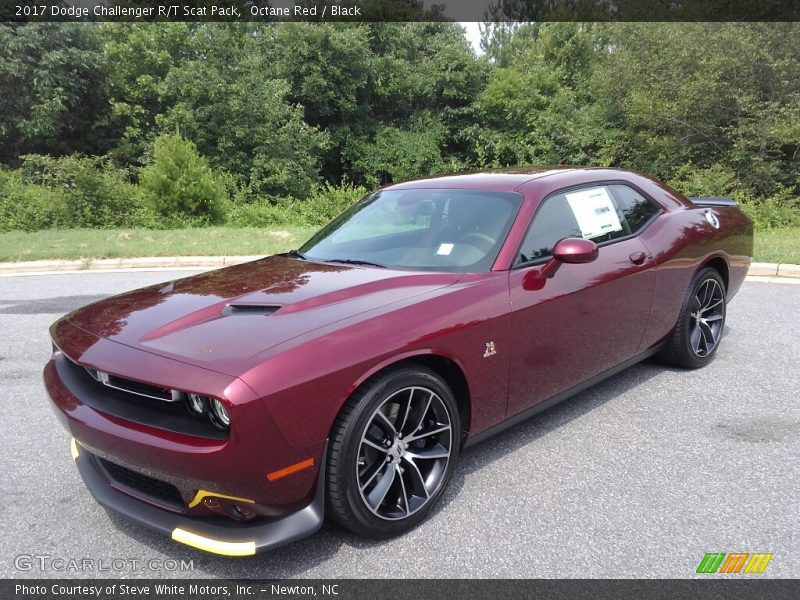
(639, 476)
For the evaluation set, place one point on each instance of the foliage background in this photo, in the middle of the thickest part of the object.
(189, 124)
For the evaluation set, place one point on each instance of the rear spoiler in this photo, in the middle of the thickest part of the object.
(699, 201)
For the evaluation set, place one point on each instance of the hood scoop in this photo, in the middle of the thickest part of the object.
(208, 314)
(248, 309)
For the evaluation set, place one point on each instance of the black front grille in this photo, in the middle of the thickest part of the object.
(129, 385)
(141, 389)
(129, 405)
(161, 491)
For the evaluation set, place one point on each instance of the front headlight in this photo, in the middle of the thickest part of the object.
(211, 408)
(219, 414)
(197, 405)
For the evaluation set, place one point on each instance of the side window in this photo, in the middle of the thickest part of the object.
(554, 221)
(600, 213)
(633, 207)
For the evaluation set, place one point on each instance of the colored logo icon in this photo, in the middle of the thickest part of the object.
(734, 562)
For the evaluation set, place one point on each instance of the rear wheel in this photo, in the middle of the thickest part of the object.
(698, 332)
(393, 449)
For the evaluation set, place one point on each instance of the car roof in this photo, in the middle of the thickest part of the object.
(510, 180)
(499, 180)
(539, 182)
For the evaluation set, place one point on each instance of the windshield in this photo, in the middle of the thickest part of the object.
(441, 230)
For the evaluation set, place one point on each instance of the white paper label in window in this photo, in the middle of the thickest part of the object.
(594, 212)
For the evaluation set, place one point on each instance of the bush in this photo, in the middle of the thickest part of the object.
(260, 213)
(324, 203)
(177, 191)
(29, 207)
(778, 210)
(713, 181)
(95, 193)
(327, 202)
(181, 185)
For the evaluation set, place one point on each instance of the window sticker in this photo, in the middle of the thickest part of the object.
(445, 249)
(594, 212)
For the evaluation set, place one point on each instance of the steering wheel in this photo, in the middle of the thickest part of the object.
(481, 241)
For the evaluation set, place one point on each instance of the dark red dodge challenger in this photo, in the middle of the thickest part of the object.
(233, 410)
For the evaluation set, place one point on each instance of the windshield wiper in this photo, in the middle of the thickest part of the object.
(351, 261)
(295, 254)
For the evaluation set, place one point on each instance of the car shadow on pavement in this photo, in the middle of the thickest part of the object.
(506, 442)
(297, 558)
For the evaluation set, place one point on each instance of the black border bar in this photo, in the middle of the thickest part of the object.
(732, 588)
(398, 10)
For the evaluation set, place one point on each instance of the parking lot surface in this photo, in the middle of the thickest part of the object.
(639, 476)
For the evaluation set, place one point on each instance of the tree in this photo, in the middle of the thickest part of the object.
(538, 108)
(140, 57)
(54, 100)
(180, 182)
(226, 99)
(424, 80)
(703, 95)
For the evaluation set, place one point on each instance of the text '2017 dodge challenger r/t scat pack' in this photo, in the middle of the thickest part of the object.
(234, 410)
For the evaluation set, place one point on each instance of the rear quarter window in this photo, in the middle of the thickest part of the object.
(633, 207)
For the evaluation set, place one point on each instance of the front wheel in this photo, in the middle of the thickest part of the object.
(698, 332)
(393, 449)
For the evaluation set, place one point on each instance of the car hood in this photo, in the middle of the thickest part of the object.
(221, 318)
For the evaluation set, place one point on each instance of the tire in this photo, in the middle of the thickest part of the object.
(694, 342)
(384, 473)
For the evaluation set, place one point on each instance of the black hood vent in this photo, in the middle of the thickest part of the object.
(248, 309)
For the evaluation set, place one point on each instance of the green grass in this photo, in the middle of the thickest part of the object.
(126, 243)
(779, 245)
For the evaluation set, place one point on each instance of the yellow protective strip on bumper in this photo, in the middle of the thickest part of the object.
(216, 546)
(74, 449)
(198, 497)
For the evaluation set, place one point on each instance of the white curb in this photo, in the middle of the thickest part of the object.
(758, 271)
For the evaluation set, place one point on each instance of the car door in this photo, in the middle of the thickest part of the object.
(588, 317)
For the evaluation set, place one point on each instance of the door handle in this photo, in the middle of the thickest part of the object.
(637, 258)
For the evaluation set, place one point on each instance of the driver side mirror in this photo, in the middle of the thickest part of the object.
(568, 250)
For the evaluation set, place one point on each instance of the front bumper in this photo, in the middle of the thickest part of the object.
(146, 465)
(220, 536)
